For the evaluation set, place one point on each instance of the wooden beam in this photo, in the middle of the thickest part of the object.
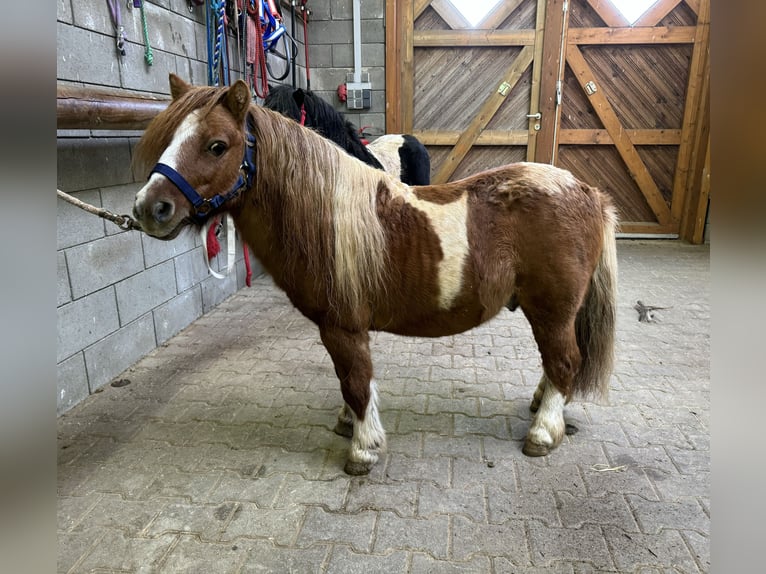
(485, 138)
(602, 137)
(607, 11)
(449, 38)
(499, 13)
(556, 29)
(700, 214)
(105, 109)
(656, 35)
(695, 89)
(451, 15)
(633, 227)
(487, 111)
(566, 137)
(419, 7)
(534, 124)
(622, 141)
(393, 73)
(407, 70)
(694, 5)
(656, 12)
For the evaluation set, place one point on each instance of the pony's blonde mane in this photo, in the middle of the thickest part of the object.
(326, 200)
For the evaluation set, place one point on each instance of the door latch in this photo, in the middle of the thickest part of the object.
(537, 117)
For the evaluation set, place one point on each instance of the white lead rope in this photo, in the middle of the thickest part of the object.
(231, 246)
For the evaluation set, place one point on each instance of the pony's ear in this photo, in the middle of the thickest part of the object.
(238, 99)
(299, 96)
(177, 86)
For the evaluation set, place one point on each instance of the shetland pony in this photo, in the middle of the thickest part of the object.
(403, 156)
(355, 249)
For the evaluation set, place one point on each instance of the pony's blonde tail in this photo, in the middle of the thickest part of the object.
(596, 321)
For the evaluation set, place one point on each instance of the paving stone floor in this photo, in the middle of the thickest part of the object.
(219, 455)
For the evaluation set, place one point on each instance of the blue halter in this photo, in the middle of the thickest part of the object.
(203, 208)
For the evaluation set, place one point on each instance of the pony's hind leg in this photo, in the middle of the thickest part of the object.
(359, 418)
(561, 360)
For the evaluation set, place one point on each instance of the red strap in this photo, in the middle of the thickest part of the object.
(303, 115)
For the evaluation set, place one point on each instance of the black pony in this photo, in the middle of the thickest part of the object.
(403, 156)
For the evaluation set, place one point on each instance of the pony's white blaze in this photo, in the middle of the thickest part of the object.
(548, 426)
(369, 435)
(186, 130)
(386, 151)
(449, 221)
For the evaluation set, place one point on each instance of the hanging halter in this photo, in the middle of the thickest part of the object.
(203, 208)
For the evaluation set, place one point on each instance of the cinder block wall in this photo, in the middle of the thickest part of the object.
(331, 55)
(121, 294)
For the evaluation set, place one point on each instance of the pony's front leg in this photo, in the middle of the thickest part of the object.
(548, 427)
(350, 353)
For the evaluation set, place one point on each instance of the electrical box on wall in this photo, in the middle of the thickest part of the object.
(358, 94)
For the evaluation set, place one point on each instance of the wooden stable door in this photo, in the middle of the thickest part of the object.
(624, 107)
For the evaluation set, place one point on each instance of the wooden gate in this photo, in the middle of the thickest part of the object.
(624, 107)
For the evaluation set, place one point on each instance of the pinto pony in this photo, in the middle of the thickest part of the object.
(403, 156)
(356, 250)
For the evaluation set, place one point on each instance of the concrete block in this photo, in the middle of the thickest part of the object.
(71, 383)
(342, 9)
(85, 321)
(143, 292)
(373, 31)
(331, 32)
(374, 55)
(64, 11)
(343, 56)
(75, 226)
(216, 290)
(103, 262)
(373, 9)
(141, 77)
(328, 79)
(157, 251)
(94, 15)
(63, 291)
(319, 11)
(373, 120)
(190, 269)
(177, 314)
(192, 71)
(78, 60)
(346, 560)
(319, 57)
(113, 354)
(355, 530)
(171, 32)
(395, 532)
(92, 163)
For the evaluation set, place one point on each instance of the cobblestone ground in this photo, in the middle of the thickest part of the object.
(219, 455)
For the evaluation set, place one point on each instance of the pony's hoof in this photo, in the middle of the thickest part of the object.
(357, 468)
(534, 405)
(533, 449)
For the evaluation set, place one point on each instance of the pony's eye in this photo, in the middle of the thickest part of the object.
(217, 148)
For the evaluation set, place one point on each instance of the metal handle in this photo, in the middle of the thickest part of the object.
(536, 116)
